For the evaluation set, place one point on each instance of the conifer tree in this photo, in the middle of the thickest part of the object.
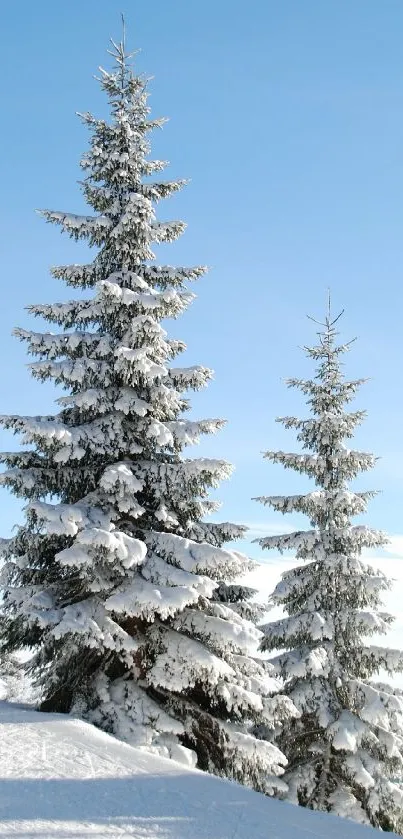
(346, 746)
(115, 579)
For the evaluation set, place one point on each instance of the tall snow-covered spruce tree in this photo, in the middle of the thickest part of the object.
(115, 579)
(346, 746)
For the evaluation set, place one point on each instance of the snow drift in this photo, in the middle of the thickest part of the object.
(60, 778)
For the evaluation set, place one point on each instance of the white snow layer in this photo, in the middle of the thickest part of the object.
(60, 778)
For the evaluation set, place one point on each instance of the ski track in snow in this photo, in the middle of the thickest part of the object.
(60, 778)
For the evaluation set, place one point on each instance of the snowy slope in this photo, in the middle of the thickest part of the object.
(61, 779)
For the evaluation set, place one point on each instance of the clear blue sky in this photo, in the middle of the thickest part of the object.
(288, 118)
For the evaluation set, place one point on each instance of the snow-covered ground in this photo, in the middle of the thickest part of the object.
(62, 779)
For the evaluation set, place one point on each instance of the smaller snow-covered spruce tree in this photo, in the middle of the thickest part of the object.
(115, 578)
(346, 746)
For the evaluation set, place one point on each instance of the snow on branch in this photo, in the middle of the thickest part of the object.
(93, 228)
(159, 572)
(183, 662)
(314, 503)
(221, 633)
(142, 599)
(316, 544)
(111, 544)
(167, 275)
(76, 343)
(194, 378)
(68, 519)
(320, 467)
(200, 558)
(187, 432)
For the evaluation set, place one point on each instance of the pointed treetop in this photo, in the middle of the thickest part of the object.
(123, 31)
(328, 323)
(118, 52)
(122, 80)
(327, 335)
(119, 49)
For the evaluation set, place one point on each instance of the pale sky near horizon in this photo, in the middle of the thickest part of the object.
(288, 119)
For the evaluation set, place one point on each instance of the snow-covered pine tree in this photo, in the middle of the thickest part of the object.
(115, 579)
(346, 747)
